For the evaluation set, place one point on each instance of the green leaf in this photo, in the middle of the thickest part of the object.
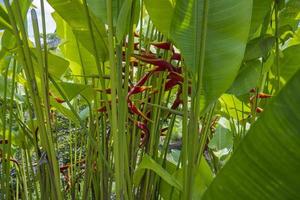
(150, 164)
(65, 111)
(129, 8)
(161, 15)
(259, 47)
(222, 139)
(266, 164)
(247, 78)
(234, 107)
(99, 8)
(4, 19)
(70, 49)
(8, 41)
(228, 26)
(73, 13)
(259, 12)
(290, 15)
(203, 178)
(72, 90)
(289, 63)
(57, 66)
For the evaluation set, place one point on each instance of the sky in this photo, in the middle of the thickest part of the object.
(50, 24)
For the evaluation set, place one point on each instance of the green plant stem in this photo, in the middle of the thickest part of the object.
(199, 49)
(119, 178)
(27, 62)
(276, 4)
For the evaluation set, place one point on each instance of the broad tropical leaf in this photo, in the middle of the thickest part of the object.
(228, 25)
(259, 12)
(267, 162)
(74, 14)
(289, 63)
(149, 163)
(73, 50)
(165, 8)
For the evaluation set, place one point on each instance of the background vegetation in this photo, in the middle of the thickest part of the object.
(150, 99)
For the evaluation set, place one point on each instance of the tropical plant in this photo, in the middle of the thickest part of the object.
(150, 99)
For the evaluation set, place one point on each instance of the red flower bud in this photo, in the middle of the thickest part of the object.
(162, 45)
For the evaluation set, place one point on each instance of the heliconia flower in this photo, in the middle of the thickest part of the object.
(176, 56)
(59, 100)
(162, 64)
(176, 103)
(175, 76)
(145, 132)
(133, 109)
(162, 45)
(3, 141)
(170, 84)
(253, 90)
(134, 62)
(259, 110)
(137, 89)
(102, 109)
(143, 80)
(149, 55)
(64, 167)
(263, 95)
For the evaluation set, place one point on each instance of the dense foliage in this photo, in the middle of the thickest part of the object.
(150, 99)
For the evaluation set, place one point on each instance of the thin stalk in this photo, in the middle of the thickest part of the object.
(204, 135)
(114, 121)
(185, 140)
(6, 165)
(27, 62)
(199, 49)
(277, 57)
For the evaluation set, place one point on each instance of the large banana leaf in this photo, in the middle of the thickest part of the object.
(289, 63)
(99, 8)
(259, 12)
(74, 51)
(4, 20)
(73, 13)
(161, 15)
(227, 31)
(267, 162)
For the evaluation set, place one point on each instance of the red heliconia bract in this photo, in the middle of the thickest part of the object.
(102, 109)
(133, 109)
(176, 103)
(137, 89)
(259, 110)
(59, 100)
(145, 132)
(170, 84)
(162, 64)
(253, 90)
(143, 80)
(162, 45)
(176, 56)
(263, 96)
(175, 76)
